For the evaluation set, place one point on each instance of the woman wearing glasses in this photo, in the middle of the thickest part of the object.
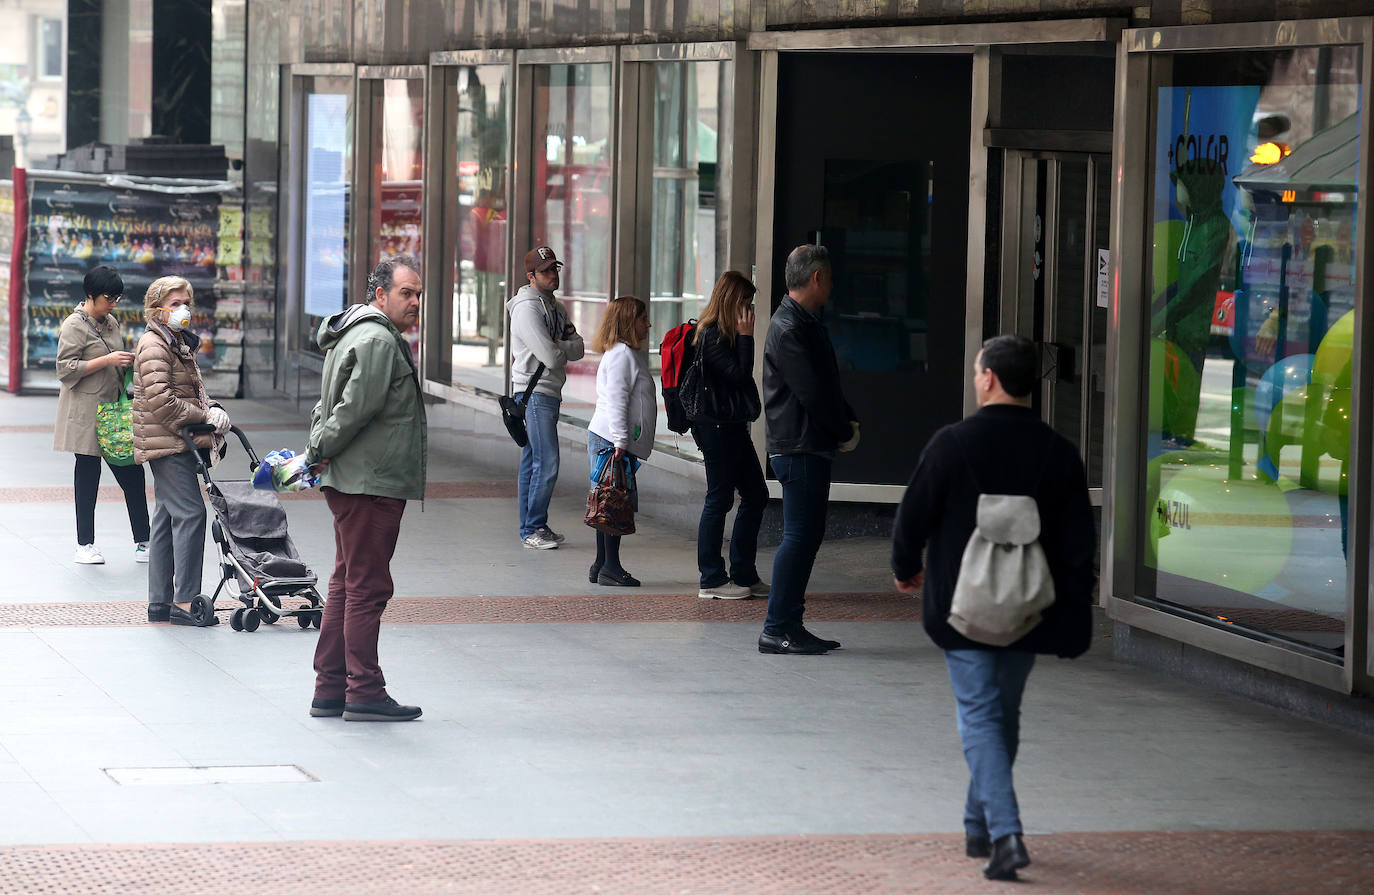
(91, 361)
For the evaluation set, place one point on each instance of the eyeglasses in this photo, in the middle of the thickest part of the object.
(112, 299)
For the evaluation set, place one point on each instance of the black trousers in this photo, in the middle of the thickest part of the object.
(87, 481)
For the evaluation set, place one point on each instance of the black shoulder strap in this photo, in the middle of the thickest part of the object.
(534, 380)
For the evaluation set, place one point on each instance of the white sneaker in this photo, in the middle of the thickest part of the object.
(540, 541)
(140, 553)
(88, 554)
(727, 591)
(760, 588)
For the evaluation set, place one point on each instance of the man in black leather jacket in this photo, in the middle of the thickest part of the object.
(808, 421)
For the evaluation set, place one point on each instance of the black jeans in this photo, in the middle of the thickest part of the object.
(805, 482)
(731, 465)
(87, 481)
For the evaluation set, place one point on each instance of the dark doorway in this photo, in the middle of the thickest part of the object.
(872, 160)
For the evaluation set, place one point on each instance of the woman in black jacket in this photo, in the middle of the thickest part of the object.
(724, 338)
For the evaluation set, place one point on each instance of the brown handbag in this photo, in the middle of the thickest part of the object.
(608, 503)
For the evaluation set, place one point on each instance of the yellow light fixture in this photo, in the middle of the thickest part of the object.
(1269, 153)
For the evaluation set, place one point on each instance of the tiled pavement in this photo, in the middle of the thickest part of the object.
(596, 742)
(1086, 863)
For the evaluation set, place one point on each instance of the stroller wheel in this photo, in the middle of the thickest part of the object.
(268, 615)
(251, 620)
(202, 610)
(316, 617)
(236, 619)
(303, 618)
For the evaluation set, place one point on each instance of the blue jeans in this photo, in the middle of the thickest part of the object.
(987, 688)
(731, 465)
(538, 463)
(805, 480)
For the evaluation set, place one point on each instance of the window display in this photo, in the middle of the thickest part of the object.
(1253, 290)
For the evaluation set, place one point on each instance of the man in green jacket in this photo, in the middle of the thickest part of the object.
(368, 440)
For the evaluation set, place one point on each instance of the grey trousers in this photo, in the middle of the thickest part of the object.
(176, 545)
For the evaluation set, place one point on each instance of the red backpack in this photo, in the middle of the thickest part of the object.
(675, 352)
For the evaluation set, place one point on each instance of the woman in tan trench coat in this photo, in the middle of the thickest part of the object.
(90, 365)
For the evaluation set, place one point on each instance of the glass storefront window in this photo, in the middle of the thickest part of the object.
(397, 174)
(326, 177)
(685, 240)
(686, 128)
(573, 114)
(480, 287)
(1253, 290)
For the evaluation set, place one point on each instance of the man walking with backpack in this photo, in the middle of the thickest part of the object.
(1002, 450)
(542, 341)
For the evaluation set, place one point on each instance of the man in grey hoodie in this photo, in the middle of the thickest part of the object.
(540, 334)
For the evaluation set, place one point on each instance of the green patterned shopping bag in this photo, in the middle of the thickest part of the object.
(114, 426)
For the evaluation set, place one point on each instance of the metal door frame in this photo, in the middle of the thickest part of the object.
(1016, 311)
(980, 41)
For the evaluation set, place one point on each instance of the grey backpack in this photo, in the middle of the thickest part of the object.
(1004, 578)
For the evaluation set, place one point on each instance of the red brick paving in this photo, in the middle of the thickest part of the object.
(602, 608)
(1178, 863)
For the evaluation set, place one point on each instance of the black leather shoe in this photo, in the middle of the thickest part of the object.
(801, 635)
(157, 612)
(593, 573)
(326, 708)
(781, 644)
(1008, 856)
(622, 578)
(178, 616)
(977, 846)
(382, 710)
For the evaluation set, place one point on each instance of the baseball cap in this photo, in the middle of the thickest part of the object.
(541, 259)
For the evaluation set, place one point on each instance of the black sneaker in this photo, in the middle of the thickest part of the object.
(326, 708)
(782, 644)
(801, 635)
(382, 710)
(158, 612)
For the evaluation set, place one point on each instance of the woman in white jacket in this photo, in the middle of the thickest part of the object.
(622, 428)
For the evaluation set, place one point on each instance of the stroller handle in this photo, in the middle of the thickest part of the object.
(188, 433)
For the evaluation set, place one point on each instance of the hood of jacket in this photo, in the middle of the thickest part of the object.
(529, 293)
(334, 326)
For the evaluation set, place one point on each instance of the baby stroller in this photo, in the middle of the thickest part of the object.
(256, 555)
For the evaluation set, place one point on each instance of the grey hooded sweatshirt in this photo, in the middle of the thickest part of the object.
(537, 322)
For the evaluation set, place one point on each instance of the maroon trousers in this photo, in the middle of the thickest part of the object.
(365, 532)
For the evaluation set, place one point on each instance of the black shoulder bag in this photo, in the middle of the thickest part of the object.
(705, 401)
(513, 411)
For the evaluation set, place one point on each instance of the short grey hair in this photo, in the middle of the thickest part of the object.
(803, 263)
(383, 276)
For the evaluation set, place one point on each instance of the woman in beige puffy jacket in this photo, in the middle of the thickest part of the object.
(169, 395)
(91, 361)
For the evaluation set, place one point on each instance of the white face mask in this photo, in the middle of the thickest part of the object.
(179, 317)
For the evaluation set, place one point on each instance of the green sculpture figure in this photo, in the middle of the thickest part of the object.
(1181, 315)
